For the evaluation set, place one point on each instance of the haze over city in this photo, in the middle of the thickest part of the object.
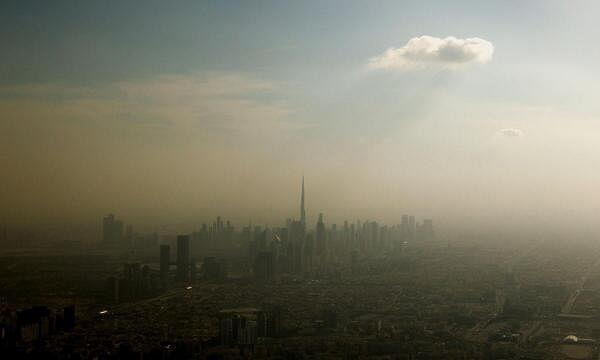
(310, 179)
(472, 112)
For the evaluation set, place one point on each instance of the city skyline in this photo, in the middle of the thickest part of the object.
(112, 224)
(309, 179)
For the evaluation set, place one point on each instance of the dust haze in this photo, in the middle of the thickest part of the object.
(261, 179)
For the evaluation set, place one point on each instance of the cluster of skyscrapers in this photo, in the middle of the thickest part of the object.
(297, 249)
(294, 248)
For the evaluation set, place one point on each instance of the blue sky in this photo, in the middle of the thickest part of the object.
(200, 101)
(72, 41)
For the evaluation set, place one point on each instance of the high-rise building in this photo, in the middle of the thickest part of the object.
(238, 326)
(183, 257)
(308, 252)
(302, 208)
(132, 281)
(214, 269)
(165, 261)
(269, 321)
(296, 235)
(112, 230)
(404, 228)
(412, 228)
(427, 232)
(320, 237)
(264, 266)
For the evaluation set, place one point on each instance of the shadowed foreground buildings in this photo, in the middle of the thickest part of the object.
(243, 326)
(252, 290)
(359, 290)
(147, 210)
(34, 324)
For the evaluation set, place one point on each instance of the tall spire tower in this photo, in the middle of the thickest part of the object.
(302, 210)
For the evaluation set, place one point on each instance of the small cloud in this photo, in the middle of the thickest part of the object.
(511, 132)
(429, 51)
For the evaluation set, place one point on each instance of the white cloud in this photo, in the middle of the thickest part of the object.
(428, 51)
(512, 132)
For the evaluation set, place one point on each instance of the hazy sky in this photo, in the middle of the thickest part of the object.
(459, 110)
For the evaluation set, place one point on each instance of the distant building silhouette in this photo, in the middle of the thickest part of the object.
(264, 267)
(183, 257)
(427, 232)
(320, 237)
(112, 231)
(302, 208)
(214, 269)
(165, 261)
(243, 326)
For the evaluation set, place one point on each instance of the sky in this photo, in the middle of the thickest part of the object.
(469, 112)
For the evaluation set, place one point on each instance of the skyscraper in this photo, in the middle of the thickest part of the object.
(302, 209)
(183, 257)
(296, 236)
(404, 228)
(112, 230)
(320, 237)
(427, 232)
(165, 259)
(264, 266)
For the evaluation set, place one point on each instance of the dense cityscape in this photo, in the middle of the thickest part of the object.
(298, 291)
(299, 180)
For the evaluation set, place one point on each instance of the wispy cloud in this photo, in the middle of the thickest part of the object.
(428, 51)
(229, 102)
